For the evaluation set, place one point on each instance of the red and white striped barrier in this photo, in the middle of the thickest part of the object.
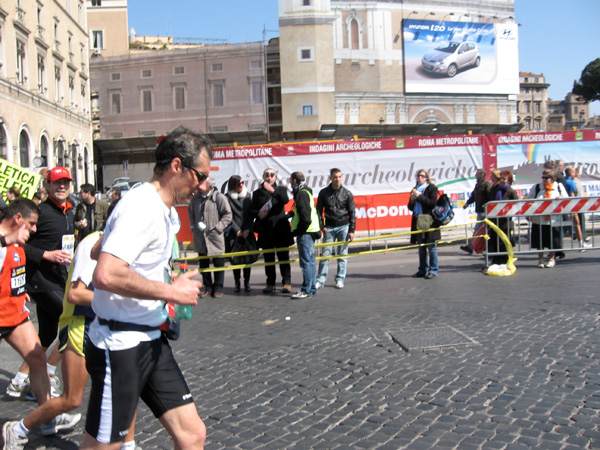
(511, 208)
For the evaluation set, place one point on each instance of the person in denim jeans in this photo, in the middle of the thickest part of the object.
(423, 198)
(335, 208)
(305, 226)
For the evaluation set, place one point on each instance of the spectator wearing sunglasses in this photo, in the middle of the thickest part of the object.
(545, 230)
(273, 229)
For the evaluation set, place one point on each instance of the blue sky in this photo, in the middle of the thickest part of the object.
(556, 37)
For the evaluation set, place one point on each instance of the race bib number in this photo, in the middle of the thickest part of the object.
(68, 243)
(17, 281)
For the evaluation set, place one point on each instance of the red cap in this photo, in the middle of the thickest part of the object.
(58, 173)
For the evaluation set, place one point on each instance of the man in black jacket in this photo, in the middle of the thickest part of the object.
(305, 226)
(335, 208)
(273, 228)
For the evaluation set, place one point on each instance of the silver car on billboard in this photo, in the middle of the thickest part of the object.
(450, 57)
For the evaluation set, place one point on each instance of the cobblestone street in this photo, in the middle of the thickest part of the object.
(511, 362)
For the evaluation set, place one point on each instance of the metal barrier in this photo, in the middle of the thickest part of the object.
(516, 216)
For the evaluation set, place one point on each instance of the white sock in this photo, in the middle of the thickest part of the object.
(20, 430)
(51, 370)
(20, 377)
(128, 445)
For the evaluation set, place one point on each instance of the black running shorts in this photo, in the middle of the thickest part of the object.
(148, 371)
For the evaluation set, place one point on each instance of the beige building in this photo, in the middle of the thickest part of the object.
(44, 86)
(569, 114)
(212, 88)
(107, 22)
(532, 102)
(145, 86)
(342, 62)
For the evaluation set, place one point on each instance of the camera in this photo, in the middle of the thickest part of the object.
(201, 226)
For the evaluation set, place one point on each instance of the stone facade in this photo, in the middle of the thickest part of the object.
(357, 68)
(213, 89)
(44, 87)
(532, 102)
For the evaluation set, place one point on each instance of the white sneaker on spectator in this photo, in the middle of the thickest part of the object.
(318, 285)
(339, 284)
(61, 422)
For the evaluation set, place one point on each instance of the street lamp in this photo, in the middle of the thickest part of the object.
(398, 34)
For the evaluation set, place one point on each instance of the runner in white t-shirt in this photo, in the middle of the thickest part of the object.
(127, 357)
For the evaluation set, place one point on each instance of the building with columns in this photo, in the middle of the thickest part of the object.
(347, 62)
(44, 87)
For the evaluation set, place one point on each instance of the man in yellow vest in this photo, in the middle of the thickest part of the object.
(305, 226)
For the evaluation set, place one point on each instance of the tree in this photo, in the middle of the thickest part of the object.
(588, 86)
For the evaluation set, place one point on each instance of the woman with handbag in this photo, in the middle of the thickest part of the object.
(501, 190)
(423, 199)
(241, 226)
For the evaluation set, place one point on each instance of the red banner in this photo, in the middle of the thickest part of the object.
(373, 212)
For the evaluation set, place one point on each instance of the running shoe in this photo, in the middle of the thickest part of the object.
(54, 389)
(12, 441)
(61, 422)
(16, 390)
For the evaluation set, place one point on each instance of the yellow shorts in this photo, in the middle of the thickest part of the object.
(75, 334)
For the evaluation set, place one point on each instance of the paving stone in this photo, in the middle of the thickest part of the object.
(326, 379)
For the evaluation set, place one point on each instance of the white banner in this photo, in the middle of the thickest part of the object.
(369, 172)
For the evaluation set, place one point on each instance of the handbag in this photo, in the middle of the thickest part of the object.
(424, 222)
(478, 241)
(244, 245)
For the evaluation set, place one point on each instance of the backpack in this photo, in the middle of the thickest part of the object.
(443, 211)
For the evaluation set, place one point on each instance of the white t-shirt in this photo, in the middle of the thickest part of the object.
(140, 231)
(83, 264)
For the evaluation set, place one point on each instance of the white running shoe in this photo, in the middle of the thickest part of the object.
(61, 422)
(16, 390)
(12, 441)
(339, 284)
(54, 389)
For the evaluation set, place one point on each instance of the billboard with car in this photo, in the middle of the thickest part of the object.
(460, 57)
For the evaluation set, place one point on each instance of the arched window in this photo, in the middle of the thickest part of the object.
(354, 26)
(44, 151)
(354, 35)
(24, 149)
(3, 142)
(59, 155)
(74, 148)
(86, 164)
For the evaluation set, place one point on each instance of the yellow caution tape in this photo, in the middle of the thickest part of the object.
(349, 255)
